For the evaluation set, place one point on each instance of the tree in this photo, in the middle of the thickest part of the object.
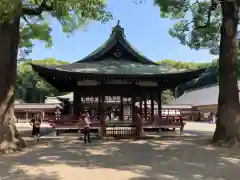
(20, 23)
(183, 65)
(203, 24)
(167, 96)
(26, 77)
(205, 79)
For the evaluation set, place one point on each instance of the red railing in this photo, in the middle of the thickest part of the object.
(156, 120)
(68, 121)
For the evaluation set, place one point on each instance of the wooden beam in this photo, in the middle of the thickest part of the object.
(115, 90)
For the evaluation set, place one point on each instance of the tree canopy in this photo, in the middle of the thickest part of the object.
(197, 22)
(31, 88)
(212, 25)
(35, 16)
(184, 64)
(207, 78)
(22, 22)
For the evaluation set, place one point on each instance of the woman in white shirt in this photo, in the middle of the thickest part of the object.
(87, 124)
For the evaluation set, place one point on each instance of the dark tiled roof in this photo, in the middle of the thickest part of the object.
(110, 66)
(105, 62)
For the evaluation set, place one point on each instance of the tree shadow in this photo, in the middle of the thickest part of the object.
(9, 171)
(170, 158)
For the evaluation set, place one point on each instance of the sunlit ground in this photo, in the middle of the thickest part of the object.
(180, 158)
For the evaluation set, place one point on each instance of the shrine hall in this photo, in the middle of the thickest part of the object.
(114, 76)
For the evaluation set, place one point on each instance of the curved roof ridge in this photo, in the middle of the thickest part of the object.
(100, 50)
(131, 49)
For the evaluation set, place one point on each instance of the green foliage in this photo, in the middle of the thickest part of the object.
(207, 78)
(189, 16)
(33, 31)
(167, 96)
(183, 65)
(35, 16)
(29, 87)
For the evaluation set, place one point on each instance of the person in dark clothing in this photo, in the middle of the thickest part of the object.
(87, 124)
(36, 123)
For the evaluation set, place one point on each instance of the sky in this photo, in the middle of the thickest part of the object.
(143, 27)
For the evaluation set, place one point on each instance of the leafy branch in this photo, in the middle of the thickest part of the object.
(211, 8)
(43, 6)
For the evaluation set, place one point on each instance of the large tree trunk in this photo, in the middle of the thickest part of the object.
(227, 127)
(9, 39)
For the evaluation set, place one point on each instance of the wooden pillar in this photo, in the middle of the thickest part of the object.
(140, 106)
(102, 118)
(152, 108)
(43, 114)
(159, 94)
(133, 108)
(99, 109)
(74, 104)
(26, 116)
(77, 103)
(145, 107)
(80, 107)
(135, 119)
(121, 109)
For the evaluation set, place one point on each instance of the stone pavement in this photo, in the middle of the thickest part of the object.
(181, 158)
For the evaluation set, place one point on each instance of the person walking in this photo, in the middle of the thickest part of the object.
(36, 124)
(87, 125)
(79, 122)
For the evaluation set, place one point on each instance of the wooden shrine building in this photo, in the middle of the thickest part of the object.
(115, 69)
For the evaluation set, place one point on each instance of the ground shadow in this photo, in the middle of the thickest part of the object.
(13, 170)
(183, 158)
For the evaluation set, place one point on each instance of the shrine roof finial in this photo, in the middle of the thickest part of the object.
(118, 28)
(118, 23)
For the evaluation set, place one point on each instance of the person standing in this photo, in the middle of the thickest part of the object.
(214, 118)
(87, 124)
(36, 123)
(79, 122)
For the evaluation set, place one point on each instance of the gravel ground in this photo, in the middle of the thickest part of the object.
(179, 158)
